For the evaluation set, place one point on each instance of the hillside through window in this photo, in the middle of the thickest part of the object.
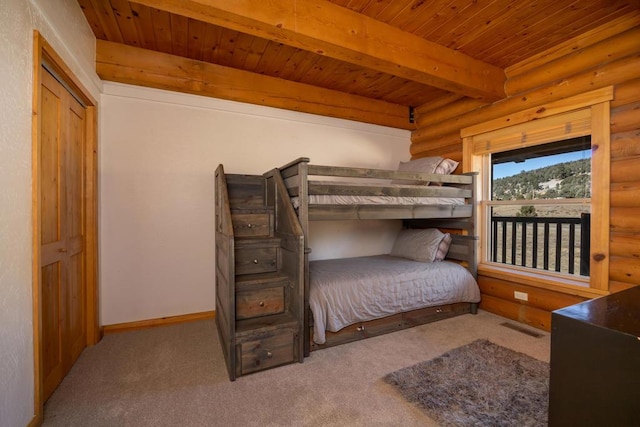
(540, 206)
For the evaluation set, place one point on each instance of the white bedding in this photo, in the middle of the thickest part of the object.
(350, 290)
(332, 199)
(322, 199)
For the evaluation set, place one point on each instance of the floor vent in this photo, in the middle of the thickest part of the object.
(521, 329)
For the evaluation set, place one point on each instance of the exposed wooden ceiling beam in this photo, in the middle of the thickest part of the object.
(126, 64)
(327, 29)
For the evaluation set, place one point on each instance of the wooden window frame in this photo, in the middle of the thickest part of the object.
(585, 114)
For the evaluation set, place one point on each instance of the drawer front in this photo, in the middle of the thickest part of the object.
(256, 260)
(250, 224)
(260, 302)
(426, 315)
(384, 325)
(266, 353)
(347, 334)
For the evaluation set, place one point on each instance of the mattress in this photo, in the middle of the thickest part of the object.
(377, 200)
(350, 290)
(356, 199)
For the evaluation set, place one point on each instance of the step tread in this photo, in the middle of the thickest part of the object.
(257, 241)
(251, 210)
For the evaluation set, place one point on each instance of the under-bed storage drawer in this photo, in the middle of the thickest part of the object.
(260, 302)
(256, 260)
(250, 224)
(362, 330)
(428, 314)
(347, 334)
(266, 353)
(382, 326)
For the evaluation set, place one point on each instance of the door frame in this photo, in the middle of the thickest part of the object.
(43, 52)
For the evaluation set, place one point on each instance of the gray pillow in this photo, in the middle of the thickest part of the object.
(434, 164)
(418, 244)
(445, 167)
(443, 247)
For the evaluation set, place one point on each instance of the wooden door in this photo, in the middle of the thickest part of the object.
(61, 180)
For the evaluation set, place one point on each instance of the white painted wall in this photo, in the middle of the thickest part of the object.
(158, 154)
(158, 151)
(63, 25)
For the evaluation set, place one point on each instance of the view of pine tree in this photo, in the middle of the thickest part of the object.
(528, 211)
(562, 180)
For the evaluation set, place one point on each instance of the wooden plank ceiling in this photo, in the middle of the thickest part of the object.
(366, 60)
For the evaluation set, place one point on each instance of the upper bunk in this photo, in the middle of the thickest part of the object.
(345, 193)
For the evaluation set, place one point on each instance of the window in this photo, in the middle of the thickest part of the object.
(554, 136)
(540, 207)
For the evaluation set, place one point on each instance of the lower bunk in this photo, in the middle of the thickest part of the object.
(356, 298)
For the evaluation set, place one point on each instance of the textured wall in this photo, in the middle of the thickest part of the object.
(158, 153)
(63, 25)
(16, 354)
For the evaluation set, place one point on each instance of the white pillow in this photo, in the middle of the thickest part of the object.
(418, 244)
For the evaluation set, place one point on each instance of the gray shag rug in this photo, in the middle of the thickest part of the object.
(479, 384)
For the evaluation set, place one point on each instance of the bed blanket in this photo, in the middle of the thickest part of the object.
(350, 290)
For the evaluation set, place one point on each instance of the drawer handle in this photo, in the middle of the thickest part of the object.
(261, 303)
(255, 261)
(360, 328)
(269, 354)
(439, 310)
(249, 225)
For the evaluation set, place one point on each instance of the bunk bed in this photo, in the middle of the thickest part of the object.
(424, 201)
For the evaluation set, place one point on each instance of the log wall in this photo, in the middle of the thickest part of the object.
(606, 56)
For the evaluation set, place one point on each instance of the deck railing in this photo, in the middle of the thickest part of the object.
(552, 244)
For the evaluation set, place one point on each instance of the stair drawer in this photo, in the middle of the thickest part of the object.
(261, 302)
(266, 353)
(256, 260)
(253, 224)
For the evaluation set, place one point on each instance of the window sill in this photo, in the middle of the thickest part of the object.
(545, 280)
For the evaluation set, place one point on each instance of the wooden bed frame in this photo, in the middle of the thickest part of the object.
(458, 219)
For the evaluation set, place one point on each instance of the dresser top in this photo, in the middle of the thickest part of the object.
(619, 311)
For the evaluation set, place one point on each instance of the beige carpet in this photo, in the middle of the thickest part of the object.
(175, 376)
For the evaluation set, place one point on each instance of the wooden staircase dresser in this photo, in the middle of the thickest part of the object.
(259, 273)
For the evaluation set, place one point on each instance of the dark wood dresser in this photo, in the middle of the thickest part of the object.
(595, 362)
